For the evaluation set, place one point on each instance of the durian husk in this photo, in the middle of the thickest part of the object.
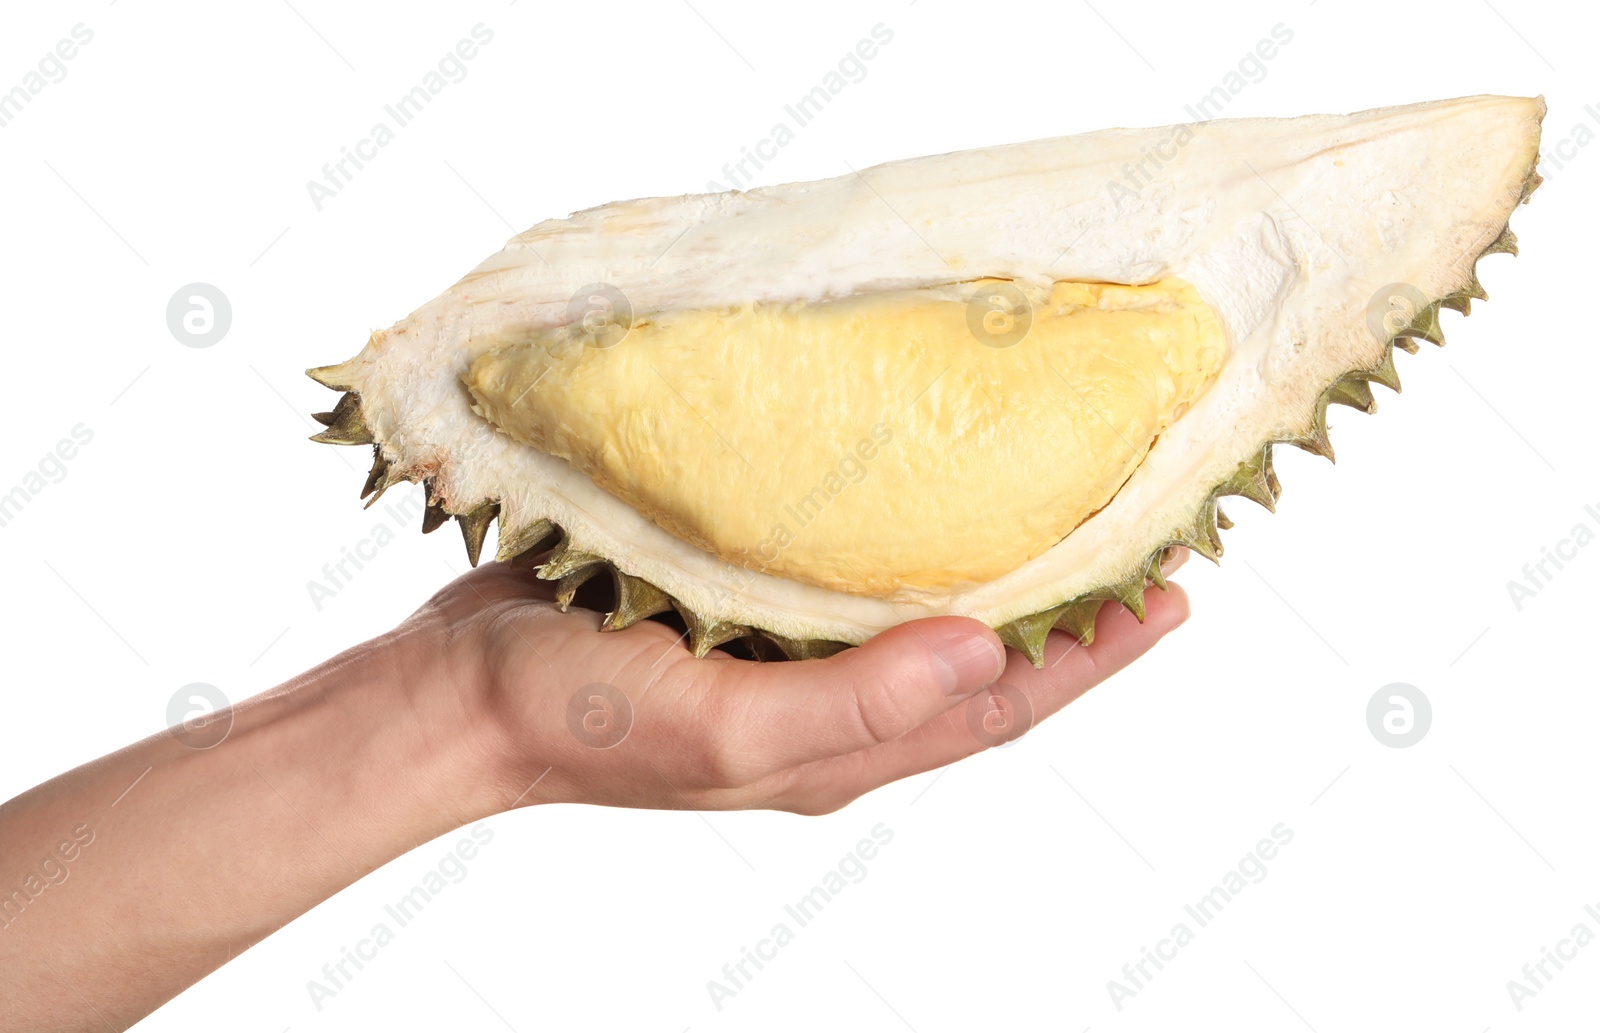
(637, 599)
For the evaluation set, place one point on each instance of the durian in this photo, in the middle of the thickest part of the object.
(1000, 383)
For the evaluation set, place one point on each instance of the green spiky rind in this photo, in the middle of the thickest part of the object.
(325, 376)
(565, 559)
(1355, 392)
(1505, 243)
(1254, 480)
(804, 648)
(1027, 635)
(1384, 372)
(567, 587)
(378, 476)
(434, 514)
(1461, 300)
(1201, 536)
(390, 477)
(345, 422)
(706, 635)
(525, 541)
(475, 526)
(1424, 325)
(636, 600)
(1530, 184)
(1153, 572)
(1130, 593)
(1077, 618)
(1314, 438)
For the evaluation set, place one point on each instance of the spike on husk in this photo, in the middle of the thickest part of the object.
(475, 526)
(565, 559)
(377, 477)
(1425, 325)
(567, 586)
(386, 480)
(1130, 593)
(1201, 536)
(328, 377)
(1153, 570)
(434, 514)
(1504, 244)
(1354, 392)
(706, 635)
(346, 424)
(524, 541)
(1461, 300)
(1384, 372)
(636, 600)
(1077, 619)
(1254, 480)
(804, 649)
(1028, 634)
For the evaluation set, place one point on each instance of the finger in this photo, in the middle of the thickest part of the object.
(794, 713)
(1016, 703)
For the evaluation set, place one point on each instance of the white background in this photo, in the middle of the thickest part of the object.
(179, 545)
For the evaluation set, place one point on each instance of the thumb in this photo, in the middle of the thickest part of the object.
(878, 691)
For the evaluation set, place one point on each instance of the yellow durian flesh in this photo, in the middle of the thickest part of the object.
(876, 444)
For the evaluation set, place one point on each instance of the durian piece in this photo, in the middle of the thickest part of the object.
(1000, 383)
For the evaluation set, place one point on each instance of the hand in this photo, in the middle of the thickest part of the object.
(487, 698)
(631, 719)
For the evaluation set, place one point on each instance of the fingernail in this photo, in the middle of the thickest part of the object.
(968, 663)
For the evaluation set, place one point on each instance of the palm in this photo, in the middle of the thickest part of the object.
(632, 718)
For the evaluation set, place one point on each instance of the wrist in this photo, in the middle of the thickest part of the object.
(423, 695)
(390, 731)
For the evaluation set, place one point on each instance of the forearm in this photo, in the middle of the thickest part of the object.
(127, 879)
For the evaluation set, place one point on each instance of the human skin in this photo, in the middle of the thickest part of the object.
(460, 713)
